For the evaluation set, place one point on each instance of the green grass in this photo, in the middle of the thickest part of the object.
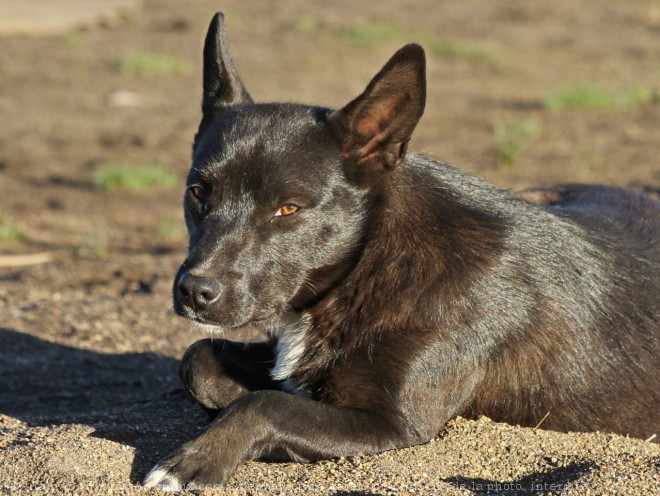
(586, 96)
(96, 242)
(171, 230)
(151, 64)
(365, 35)
(8, 231)
(306, 25)
(131, 176)
(463, 51)
(375, 34)
(73, 40)
(126, 15)
(511, 138)
(371, 35)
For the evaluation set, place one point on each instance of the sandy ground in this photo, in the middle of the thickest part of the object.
(89, 398)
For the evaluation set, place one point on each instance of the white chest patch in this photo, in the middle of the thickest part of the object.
(291, 332)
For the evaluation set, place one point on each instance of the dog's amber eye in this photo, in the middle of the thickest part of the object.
(287, 209)
(198, 192)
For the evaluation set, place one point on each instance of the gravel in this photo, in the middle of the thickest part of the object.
(470, 457)
(89, 397)
(90, 401)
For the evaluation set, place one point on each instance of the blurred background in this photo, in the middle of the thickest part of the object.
(99, 102)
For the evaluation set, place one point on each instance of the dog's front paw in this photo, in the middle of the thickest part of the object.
(188, 468)
(163, 477)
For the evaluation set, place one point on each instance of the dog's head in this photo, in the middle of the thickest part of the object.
(278, 194)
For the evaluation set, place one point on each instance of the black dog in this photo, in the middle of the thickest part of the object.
(399, 292)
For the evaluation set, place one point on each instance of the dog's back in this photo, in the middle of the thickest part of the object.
(550, 306)
(590, 360)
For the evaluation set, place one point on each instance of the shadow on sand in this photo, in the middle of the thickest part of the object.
(136, 399)
(131, 398)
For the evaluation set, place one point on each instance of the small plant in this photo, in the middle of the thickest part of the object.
(8, 231)
(306, 25)
(588, 97)
(374, 34)
(370, 35)
(462, 51)
(171, 230)
(73, 39)
(151, 64)
(511, 138)
(134, 177)
(96, 242)
(126, 15)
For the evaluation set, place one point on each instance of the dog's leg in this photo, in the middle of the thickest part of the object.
(217, 371)
(277, 425)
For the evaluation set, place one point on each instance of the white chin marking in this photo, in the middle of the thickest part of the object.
(208, 328)
(160, 478)
(291, 331)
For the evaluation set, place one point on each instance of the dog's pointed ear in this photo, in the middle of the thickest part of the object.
(222, 85)
(375, 128)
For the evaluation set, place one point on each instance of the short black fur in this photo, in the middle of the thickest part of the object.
(398, 291)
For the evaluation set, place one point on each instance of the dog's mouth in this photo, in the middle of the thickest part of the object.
(211, 327)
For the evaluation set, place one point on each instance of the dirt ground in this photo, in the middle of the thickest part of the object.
(89, 398)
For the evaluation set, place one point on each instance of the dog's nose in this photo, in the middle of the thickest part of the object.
(198, 292)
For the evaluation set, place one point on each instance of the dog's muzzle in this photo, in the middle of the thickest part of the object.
(197, 293)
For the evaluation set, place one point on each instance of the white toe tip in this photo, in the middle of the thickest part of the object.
(161, 478)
